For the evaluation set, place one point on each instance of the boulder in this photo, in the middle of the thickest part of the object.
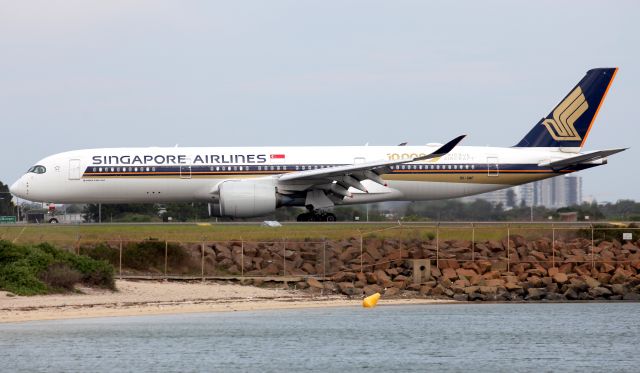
(538, 255)
(467, 273)
(566, 268)
(483, 266)
(309, 268)
(390, 292)
(488, 290)
(461, 297)
(571, 294)
(618, 289)
(606, 267)
(497, 282)
(271, 270)
(343, 277)
(631, 296)
(425, 289)
(449, 274)
(477, 296)
(620, 276)
(598, 292)
(471, 289)
(560, 278)
(555, 297)
(314, 283)
(383, 279)
(578, 285)
(604, 278)
(536, 293)
(591, 282)
(534, 281)
(371, 289)
(302, 285)
(512, 286)
(491, 275)
(346, 288)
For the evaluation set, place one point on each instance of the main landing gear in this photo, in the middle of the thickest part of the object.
(316, 216)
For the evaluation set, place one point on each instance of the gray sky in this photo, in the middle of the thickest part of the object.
(80, 74)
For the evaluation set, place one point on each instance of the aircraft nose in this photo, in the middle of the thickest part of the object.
(18, 188)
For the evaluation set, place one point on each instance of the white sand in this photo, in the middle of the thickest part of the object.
(153, 298)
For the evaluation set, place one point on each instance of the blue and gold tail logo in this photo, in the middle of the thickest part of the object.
(561, 126)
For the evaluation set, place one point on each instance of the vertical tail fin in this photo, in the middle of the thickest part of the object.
(569, 123)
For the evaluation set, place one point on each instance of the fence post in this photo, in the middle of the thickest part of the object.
(324, 259)
(241, 258)
(592, 243)
(508, 248)
(361, 253)
(473, 242)
(166, 256)
(202, 262)
(284, 260)
(553, 247)
(438, 246)
(120, 259)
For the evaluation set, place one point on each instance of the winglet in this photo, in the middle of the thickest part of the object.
(443, 150)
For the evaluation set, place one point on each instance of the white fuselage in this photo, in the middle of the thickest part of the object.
(148, 175)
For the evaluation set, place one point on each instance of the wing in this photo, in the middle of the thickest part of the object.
(338, 179)
(581, 159)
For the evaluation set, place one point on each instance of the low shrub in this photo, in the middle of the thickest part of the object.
(42, 269)
(150, 254)
(60, 275)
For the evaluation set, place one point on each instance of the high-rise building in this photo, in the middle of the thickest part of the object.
(556, 192)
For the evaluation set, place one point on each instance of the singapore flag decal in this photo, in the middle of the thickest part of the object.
(277, 156)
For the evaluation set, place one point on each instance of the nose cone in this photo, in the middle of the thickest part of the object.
(19, 189)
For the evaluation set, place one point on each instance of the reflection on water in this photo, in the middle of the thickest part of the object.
(482, 337)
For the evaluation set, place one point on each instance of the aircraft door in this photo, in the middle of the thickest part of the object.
(74, 169)
(185, 169)
(493, 166)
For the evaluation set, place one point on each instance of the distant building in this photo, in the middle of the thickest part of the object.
(556, 192)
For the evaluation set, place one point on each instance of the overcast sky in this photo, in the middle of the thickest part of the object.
(82, 74)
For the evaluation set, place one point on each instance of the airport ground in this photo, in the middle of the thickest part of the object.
(207, 232)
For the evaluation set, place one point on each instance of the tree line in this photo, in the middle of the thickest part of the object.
(444, 210)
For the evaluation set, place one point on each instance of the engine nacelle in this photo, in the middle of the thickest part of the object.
(244, 199)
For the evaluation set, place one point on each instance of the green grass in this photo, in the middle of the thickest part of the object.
(72, 236)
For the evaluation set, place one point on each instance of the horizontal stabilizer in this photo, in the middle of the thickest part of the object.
(581, 159)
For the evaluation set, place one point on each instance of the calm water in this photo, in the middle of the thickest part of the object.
(483, 337)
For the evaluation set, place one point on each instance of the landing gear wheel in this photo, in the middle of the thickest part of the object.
(307, 216)
(53, 221)
(316, 216)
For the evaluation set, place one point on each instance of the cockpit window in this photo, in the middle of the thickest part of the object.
(37, 169)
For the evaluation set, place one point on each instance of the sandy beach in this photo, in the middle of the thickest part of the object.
(155, 298)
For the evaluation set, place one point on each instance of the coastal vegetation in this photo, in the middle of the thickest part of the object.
(45, 269)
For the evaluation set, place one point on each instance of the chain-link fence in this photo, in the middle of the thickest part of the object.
(504, 247)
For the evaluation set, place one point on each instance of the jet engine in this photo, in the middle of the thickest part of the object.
(244, 199)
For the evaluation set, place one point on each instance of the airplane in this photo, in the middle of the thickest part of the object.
(254, 181)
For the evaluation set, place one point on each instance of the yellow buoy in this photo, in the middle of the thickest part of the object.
(371, 300)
